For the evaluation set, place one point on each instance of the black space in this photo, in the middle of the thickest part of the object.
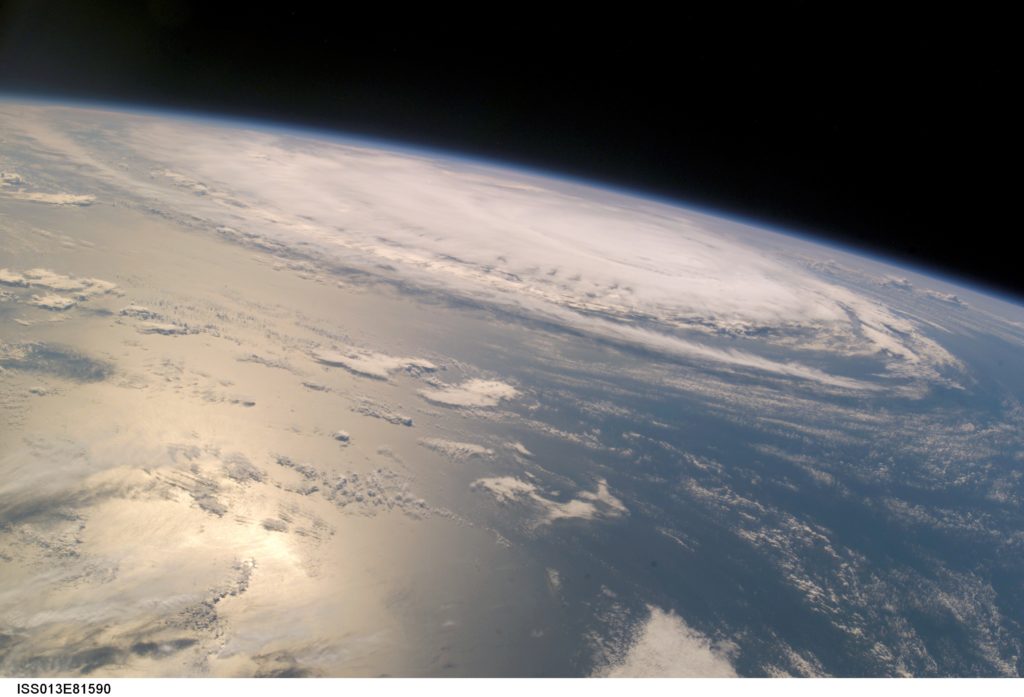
(886, 129)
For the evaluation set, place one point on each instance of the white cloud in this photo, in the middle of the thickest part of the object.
(54, 199)
(588, 505)
(519, 448)
(80, 288)
(371, 364)
(139, 312)
(950, 298)
(632, 271)
(506, 489)
(52, 301)
(377, 410)
(165, 328)
(12, 278)
(472, 393)
(11, 179)
(456, 450)
(604, 497)
(665, 647)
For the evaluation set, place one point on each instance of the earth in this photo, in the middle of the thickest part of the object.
(284, 403)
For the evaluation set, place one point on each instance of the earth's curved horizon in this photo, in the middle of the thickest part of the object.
(282, 404)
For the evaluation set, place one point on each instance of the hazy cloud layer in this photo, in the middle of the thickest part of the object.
(635, 272)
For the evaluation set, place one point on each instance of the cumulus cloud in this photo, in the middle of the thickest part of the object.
(80, 288)
(456, 450)
(165, 328)
(370, 363)
(519, 449)
(12, 278)
(138, 312)
(602, 497)
(12, 186)
(665, 647)
(949, 298)
(588, 505)
(54, 199)
(898, 282)
(472, 393)
(368, 407)
(506, 489)
(11, 179)
(52, 301)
